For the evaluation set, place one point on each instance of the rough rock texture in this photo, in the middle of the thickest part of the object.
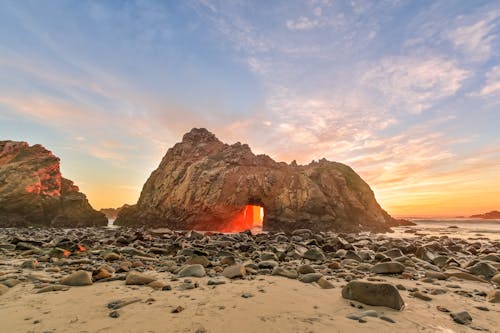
(204, 184)
(378, 294)
(33, 192)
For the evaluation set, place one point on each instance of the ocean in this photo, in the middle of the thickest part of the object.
(454, 228)
(465, 228)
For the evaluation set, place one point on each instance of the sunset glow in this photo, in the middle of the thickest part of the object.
(406, 93)
(250, 217)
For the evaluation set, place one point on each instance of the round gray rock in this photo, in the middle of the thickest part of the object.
(314, 254)
(195, 270)
(310, 277)
(390, 267)
(372, 293)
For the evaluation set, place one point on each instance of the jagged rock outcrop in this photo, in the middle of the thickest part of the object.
(33, 192)
(493, 215)
(203, 184)
(112, 213)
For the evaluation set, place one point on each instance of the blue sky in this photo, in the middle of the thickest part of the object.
(406, 92)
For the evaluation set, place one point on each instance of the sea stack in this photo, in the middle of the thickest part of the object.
(34, 193)
(205, 184)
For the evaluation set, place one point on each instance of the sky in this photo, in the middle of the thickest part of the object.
(405, 92)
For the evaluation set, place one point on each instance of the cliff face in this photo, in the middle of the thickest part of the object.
(33, 192)
(204, 184)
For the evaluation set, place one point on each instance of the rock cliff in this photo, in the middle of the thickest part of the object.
(33, 192)
(204, 184)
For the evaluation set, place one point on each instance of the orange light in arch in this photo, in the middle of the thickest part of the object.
(254, 215)
(250, 217)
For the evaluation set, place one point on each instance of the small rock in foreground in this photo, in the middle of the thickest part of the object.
(136, 278)
(78, 278)
(463, 317)
(178, 309)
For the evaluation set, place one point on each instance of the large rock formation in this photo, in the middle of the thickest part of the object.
(493, 215)
(204, 184)
(33, 192)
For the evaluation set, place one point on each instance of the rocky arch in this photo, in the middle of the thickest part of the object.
(202, 183)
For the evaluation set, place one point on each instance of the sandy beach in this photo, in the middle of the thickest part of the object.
(277, 304)
(283, 283)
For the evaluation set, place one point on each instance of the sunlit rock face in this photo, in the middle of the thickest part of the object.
(33, 192)
(204, 184)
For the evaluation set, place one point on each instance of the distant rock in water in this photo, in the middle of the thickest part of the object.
(493, 215)
(204, 184)
(33, 192)
(112, 213)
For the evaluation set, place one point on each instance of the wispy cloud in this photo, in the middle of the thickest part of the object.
(304, 23)
(415, 84)
(492, 85)
(475, 39)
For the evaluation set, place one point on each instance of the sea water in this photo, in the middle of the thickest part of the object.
(465, 228)
(454, 228)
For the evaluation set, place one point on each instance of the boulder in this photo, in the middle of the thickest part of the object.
(310, 277)
(305, 269)
(205, 184)
(267, 264)
(464, 276)
(202, 260)
(483, 269)
(195, 270)
(372, 293)
(78, 278)
(136, 278)
(393, 253)
(324, 283)
(291, 274)
(314, 254)
(34, 193)
(101, 273)
(462, 317)
(390, 267)
(234, 271)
